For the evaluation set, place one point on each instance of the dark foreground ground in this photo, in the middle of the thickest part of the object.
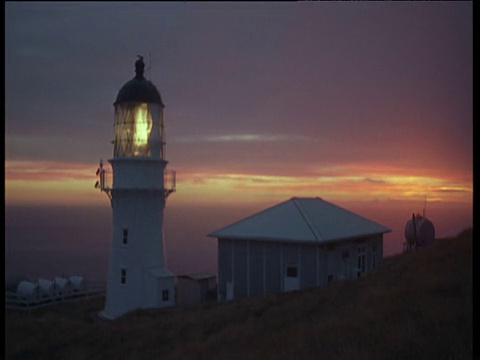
(418, 306)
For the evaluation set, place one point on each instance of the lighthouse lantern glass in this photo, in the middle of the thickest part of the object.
(143, 127)
(133, 128)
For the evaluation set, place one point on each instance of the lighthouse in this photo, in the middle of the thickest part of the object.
(137, 275)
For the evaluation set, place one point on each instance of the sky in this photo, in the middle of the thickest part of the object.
(367, 104)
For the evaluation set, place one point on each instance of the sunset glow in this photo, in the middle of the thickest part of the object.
(50, 183)
(60, 183)
(248, 188)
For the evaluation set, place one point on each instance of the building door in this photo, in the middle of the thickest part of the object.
(290, 280)
(229, 290)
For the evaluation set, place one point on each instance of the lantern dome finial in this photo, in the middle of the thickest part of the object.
(139, 67)
(139, 89)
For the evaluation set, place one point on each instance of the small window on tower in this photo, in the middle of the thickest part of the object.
(165, 295)
(125, 236)
(123, 276)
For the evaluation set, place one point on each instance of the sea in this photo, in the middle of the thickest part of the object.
(49, 241)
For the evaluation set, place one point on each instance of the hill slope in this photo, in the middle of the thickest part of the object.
(419, 305)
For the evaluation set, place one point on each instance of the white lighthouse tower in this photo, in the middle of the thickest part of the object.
(138, 277)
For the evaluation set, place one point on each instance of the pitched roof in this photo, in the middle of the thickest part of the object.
(302, 220)
(161, 272)
(200, 276)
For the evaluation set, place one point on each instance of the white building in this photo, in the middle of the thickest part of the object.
(196, 288)
(298, 244)
(138, 277)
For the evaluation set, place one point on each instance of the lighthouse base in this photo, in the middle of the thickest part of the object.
(158, 291)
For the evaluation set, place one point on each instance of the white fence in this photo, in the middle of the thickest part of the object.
(93, 289)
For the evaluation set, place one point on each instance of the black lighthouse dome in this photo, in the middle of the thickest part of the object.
(139, 89)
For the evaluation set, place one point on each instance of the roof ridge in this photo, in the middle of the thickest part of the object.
(305, 217)
(357, 215)
(212, 234)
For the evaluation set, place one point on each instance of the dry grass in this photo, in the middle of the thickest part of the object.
(418, 306)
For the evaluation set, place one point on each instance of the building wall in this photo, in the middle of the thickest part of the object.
(272, 264)
(308, 266)
(256, 268)
(188, 291)
(240, 275)
(252, 268)
(195, 291)
(224, 265)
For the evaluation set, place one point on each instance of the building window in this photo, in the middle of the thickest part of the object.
(374, 261)
(374, 247)
(330, 247)
(125, 236)
(123, 276)
(165, 295)
(330, 279)
(345, 254)
(292, 271)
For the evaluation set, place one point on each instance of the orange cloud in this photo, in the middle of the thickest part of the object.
(46, 183)
(30, 182)
(253, 188)
(47, 171)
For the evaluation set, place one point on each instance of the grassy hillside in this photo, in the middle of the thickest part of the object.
(418, 306)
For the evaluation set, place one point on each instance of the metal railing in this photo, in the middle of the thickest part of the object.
(170, 179)
(94, 289)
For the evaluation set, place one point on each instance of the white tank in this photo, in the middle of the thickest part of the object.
(78, 283)
(62, 286)
(13, 279)
(46, 288)
(419, 231)
(27, 290)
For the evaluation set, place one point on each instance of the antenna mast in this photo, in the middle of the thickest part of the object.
(425, 205)
(149, 65)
